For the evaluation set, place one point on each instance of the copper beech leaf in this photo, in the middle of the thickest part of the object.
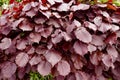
(44, 68)
(63, 68)
(22, 59)
(53, 57)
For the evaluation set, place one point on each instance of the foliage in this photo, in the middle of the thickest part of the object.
(37, 76)
(66, 38)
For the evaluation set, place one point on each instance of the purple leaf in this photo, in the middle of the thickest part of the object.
(30, 50)
(8, 69)
(11, 49)
(47, 14)
(70, 77)
(98, 70)
(91, 48)
(80, 7)
(16, 23)
(108, 60)
(22, 59)
(66, 36)
(98, 20)
(45, 8)
(3, 20)
(31, 13)
(105, 27)
(57, 36)
(63, 68)
(77, 23)
(95, 58)
(25, 26)
(54, 22)
(78, 64)
(39, 20)
(53, 57)
(34, 4)
(6, 30)
(56, 14)
(47, 32)
(80, 48)
(90, 25)
(44, 68)
(112, 51)
(21, 44)
(5, 43)
(35, 60)
(64, 7)
(59, 77)
(97, 40)
(83, 35)
(27, 7)
(81, 76)
(40, 50)
(111, 38)
(35, 37)
(115, 28)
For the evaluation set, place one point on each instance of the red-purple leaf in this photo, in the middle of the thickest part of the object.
(90, 25)
(44, 68)
(105, 27)
(63, 68)
(108, 60)
(63, 7)
(57, 36)
(91, 48)
(35, 60)
(97, 40)
(35, 37)
(77, 61)
(95, 58)
(47, 14)
(31, 13)
(21, 44)
(8, 69)
(83, 35)
(98, 20)
(16, 23)
(47, 32)
(111, 38)
(115, 28)
(77, 23)
(80, 48)
(5, 43)
(80, 7)
(27, 7)
(66, 36)
(81, 76)
(26, 26)
(53, 57)
(112, 51)
(3, 20)
(39, 20)
(22, 59)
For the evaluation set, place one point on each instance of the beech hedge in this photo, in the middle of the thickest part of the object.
(64, 38)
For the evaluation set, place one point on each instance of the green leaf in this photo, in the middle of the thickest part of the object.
(103, 1)
(110, 79)
(0, 13)
(117, 3)
(37, 76)
(18, 0)
(31, 78)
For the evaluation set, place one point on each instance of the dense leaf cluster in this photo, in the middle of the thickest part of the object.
(70, 40)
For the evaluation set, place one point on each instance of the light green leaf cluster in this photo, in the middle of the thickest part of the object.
(37, 76)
